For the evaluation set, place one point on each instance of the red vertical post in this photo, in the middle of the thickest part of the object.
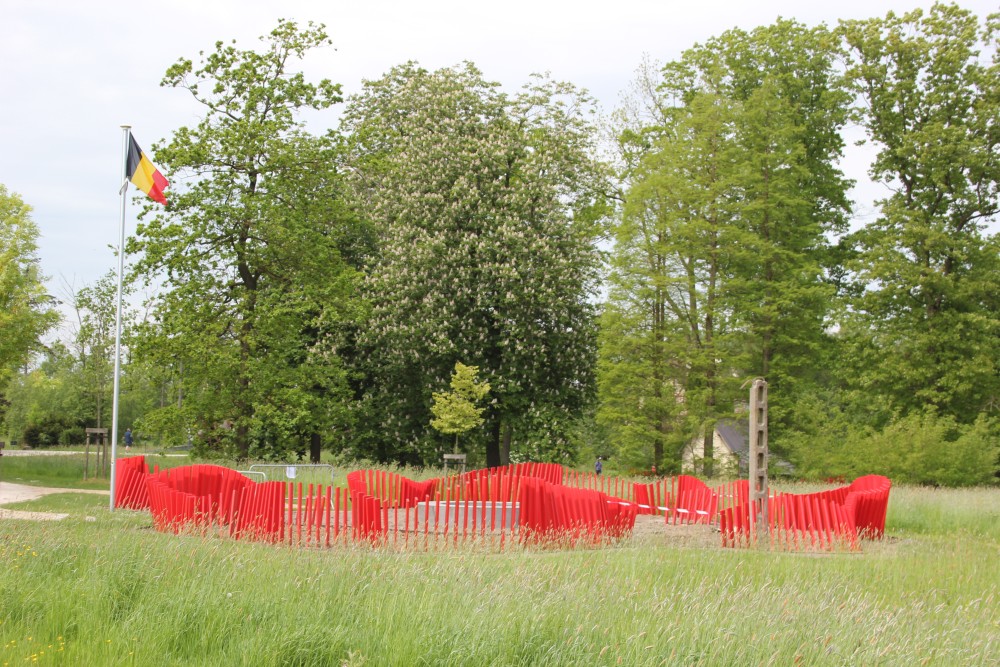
(326, 513)
(384, 519)
(797, 519)
(275, 503)
(288, 510)
(427, 520)
(818, 518)
(849, 528)
(465, 519)
(406, 518)
(493, 515)
(308, 519)
(788, 520)
(231, 517)
(318, 515)
(447, 507)
(487, 497)
(298, 514)
(808, 520)
(349, 513)
(308, 513)
(776, 516)
(336, 513)
(824, 509)
(282, 509)
(250, 514)
(509, 503)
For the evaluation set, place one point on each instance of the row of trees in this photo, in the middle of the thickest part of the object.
(321, 288)
(735, 256)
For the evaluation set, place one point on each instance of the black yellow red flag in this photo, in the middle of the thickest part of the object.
(144, 173)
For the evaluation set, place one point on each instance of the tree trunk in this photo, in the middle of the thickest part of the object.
(505, 433)
(708, 450)
(493, 444)
(709, 443)
(315, 448)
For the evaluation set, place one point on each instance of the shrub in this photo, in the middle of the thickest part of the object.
(919, 448)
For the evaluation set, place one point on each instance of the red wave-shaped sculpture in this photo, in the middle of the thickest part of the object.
(827, 519)
(534, 502)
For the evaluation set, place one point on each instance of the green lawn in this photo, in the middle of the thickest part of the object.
(102, 588)
(65, 471)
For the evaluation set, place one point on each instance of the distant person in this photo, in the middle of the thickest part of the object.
(128, 439)
(598, 466)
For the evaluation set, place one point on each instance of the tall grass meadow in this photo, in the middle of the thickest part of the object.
(103, 588)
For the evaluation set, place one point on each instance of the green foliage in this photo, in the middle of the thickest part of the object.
(255, 252)
(485, 203)
(45, 405)
(94, 346)
(926, 448)
(457, 411)
(55, 431)
(918, 448)
(57, 471)
(26, 312)
(717, 273)
(923, 327)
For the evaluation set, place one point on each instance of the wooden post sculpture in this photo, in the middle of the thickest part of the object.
(758, 456)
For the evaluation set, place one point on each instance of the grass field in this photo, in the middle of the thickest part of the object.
(67, 470)
(103, 588)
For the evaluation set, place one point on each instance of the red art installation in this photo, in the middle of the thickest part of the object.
(528, 503)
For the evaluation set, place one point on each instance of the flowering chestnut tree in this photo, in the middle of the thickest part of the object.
(486, 204)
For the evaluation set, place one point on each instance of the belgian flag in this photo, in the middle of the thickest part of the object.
(143, 173)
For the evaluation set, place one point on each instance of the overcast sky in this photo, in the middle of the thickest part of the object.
(71, 73)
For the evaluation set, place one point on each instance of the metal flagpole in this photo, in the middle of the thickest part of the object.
(126, 129)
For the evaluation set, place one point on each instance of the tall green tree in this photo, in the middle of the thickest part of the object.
(94, 344)
(790, 104)
(26, 311)
(667, 345)
(255, 252)
(721, 256)
(924, 327)
(485, 203)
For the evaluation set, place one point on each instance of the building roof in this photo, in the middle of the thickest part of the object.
(734, 435)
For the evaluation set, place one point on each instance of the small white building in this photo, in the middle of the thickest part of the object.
(729, 453)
